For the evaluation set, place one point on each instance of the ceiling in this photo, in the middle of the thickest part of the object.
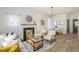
(47, 10)
(58, 10)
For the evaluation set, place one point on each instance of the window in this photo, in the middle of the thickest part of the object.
(50, 23)
(13, 20)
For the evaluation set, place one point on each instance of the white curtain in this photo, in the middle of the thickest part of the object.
(50, 23)
(13, 20)
(13, 23)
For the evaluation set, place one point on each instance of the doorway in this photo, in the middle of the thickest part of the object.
(68, 26)
(75, 26)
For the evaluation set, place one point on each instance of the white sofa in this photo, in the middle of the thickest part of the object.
(10, 40)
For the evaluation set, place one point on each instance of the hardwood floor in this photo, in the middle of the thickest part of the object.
(66, 43)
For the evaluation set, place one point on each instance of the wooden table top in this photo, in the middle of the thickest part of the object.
(36, 39)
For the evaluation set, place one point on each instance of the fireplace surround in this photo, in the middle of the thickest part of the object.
(27, 28)
(28, 32)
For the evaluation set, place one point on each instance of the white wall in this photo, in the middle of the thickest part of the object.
(1, 26)
(71, 17)
(0, 22)
(37, 16)
(22, 12)
(62, 19)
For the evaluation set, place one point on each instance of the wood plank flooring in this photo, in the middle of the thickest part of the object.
(66, 43)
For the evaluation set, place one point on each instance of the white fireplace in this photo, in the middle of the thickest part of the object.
(28, 26)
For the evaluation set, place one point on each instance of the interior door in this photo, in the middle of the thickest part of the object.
(75, 26)
(68, 26)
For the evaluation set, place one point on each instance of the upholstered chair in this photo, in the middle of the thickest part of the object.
(50, 35)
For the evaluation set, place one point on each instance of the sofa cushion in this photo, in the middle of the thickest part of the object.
(12, 36)
(1, 40)
(9, 43)
(6, 43)
(15, 48)
(12, 48)
(0, 43)
(13, 42)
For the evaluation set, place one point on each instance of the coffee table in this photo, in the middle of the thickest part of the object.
(36, 42)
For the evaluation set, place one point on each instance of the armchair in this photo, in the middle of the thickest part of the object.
(50, 35)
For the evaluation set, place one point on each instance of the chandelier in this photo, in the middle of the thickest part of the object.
(51, 13)
(50, 19)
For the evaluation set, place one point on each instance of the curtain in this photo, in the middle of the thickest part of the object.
(50, 23)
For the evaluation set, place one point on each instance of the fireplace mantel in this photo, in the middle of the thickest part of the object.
(28, 24)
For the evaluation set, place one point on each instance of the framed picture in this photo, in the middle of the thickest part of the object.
(42, 22)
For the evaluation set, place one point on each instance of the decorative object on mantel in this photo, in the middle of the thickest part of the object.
(29, 18)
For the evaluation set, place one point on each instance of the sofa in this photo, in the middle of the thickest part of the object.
(12, 48)
(11, 44)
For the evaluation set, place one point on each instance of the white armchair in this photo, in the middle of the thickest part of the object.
(50, 35)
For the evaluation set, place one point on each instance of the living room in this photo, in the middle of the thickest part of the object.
(29, 23)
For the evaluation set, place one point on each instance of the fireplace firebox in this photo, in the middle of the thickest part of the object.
(28, 32)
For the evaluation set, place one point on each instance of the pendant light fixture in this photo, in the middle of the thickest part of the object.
(50, 19)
